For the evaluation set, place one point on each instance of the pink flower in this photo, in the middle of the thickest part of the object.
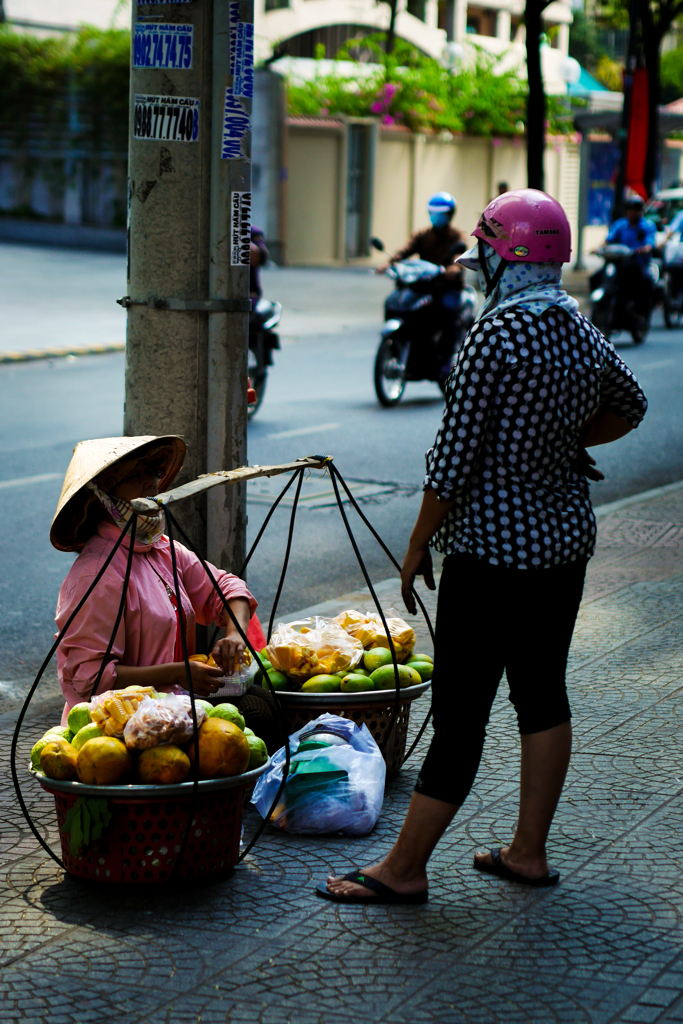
(390, 90)
(388, 119)
(324, 111)
(496, 142)
(377, 107)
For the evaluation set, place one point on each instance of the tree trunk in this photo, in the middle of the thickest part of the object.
(536, 108)
(391, 34)
(652, 63)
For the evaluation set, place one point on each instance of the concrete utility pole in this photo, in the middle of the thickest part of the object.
(188, 247)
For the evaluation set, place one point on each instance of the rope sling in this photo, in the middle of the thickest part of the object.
(323, 462)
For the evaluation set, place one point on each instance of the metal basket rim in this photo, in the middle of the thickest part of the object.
(292, 698)
(152, 794)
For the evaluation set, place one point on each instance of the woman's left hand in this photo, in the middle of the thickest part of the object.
(418, 562)
(228, 652)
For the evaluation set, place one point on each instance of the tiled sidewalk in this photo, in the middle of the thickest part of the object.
(605, 946)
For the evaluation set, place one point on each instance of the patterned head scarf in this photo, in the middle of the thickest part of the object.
(148, 529)
(533, 286)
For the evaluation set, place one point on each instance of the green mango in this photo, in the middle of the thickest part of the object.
(278, 680)
(354, 683)
(322, 684)
(383, 678)
(424, 668)
(419, 657)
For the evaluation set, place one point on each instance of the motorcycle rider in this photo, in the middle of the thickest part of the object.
(639, 234)
(440, 244)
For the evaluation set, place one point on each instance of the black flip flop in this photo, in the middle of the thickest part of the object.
(501, 870)
(383, 893)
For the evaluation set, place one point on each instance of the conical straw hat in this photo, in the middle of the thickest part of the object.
(89, 459)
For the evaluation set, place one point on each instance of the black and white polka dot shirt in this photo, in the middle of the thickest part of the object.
(506, 453)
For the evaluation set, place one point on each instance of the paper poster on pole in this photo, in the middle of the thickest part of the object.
(241, 53)
(163, 46)
(236, 124)
(173, 118)
(240, 229)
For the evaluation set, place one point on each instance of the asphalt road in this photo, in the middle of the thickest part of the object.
(319, 398)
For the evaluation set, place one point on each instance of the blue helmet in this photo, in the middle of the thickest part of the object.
(441, 208)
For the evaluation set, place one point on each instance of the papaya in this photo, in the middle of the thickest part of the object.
(322, 684)
(383, 678)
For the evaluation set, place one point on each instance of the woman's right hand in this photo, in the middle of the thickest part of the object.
(205, 679)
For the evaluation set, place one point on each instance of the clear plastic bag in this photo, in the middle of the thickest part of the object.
(336, 780)
(312, 647)
(112, 709)
(369, 629)
(162, 721)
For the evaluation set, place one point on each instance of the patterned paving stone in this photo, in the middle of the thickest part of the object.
(606, 946)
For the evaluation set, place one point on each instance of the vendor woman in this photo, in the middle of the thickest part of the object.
(104, 476)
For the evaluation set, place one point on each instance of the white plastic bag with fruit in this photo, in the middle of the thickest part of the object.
(312, 647)
(368, 628)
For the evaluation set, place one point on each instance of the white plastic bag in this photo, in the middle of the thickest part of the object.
(338, 787)
(162, 721)
(310, 647)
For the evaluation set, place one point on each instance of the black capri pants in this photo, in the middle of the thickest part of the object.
(491, 619)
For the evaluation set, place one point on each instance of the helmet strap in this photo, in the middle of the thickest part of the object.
(491, 280)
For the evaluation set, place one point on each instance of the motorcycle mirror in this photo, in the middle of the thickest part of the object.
(377, 243)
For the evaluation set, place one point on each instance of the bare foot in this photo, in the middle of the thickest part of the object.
(412, 884)
(529, 867)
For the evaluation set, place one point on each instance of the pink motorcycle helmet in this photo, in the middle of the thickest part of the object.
(527, 226)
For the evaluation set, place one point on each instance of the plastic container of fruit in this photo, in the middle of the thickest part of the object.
(144, 837)
(374, 708)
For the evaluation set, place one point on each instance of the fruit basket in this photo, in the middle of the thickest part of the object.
(143, 842)
(377, 709)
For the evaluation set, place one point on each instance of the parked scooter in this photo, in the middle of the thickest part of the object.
(609, 312)
(672, 269)
(410, 348)
(263, 340)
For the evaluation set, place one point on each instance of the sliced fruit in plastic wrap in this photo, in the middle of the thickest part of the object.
(369, 629)
(112, 709)
(162, 721)
(312, 647)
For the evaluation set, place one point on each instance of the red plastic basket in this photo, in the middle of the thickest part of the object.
(144, 838)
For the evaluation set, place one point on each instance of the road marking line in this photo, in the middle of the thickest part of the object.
(658, 365)
(303, 430)
(21, 481)
(30, 355)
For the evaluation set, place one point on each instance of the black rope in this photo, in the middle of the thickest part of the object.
(122, 605)
(29, 697)
(334, 473)
(417, 597)
(190, 687)
(255, 545)
(259, 832)
(288, 549)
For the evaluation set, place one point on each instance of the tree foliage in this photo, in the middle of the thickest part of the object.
(408, 88)
(39, 75)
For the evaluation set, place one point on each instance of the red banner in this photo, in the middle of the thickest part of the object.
(638, 129)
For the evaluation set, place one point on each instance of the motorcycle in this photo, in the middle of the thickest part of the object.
(263, 341)
(609, 312)
(413, 324)
(672, 268)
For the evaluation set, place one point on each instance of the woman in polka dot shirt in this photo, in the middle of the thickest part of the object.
(506, 499)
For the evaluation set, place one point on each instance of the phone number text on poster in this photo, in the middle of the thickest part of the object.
(175, 118)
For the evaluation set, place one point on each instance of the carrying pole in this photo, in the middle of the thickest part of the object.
(188, 252)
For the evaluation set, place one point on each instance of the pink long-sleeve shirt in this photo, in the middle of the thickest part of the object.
(147, 631)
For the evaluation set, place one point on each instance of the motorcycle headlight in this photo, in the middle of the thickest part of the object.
(597, 294)
(390, 327)
(610, 270)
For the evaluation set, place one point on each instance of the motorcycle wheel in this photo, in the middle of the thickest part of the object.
(673, 305)
(258, 376)
(640, 333)
(600, 318)
(390, 373)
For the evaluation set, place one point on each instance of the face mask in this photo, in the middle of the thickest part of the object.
(439, 220)
(148, 529)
